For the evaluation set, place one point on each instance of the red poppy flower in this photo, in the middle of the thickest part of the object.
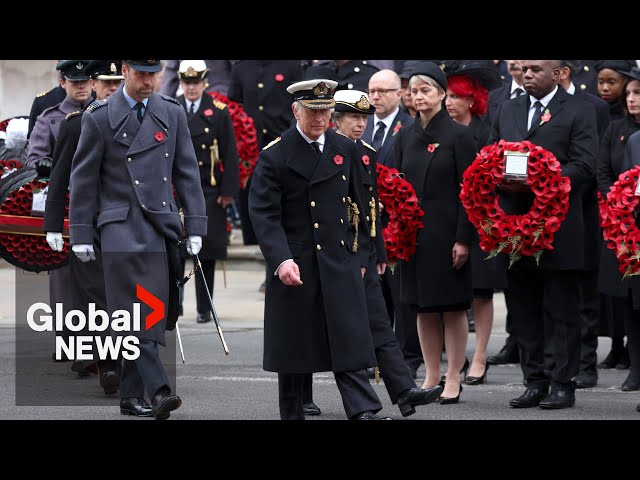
(279, 77)
(432, 147)
(159, 136)
(338, 159)
(365, 159)
(208, 112)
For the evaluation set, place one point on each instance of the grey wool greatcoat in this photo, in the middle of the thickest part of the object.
(428, 278)
(124, 173)
(298, 207)
(210, 122)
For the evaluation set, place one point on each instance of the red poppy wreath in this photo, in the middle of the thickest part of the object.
(617, 218)
(246, 137)
(401, 203)
(517, 235)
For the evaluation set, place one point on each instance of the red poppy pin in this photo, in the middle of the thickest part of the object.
(546, 117)
(365, 159)
(159, 136)
(208, 112)
(279, 77)
(622, 138)
(432, 147)
(397, 128)
(338, 159)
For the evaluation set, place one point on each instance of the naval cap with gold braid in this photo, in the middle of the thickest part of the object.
(192, 70)
(353, 101)
(316, 94)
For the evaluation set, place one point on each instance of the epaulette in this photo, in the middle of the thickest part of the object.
(73, 114)
(44, 93)
(367, 145)
(220, 105)
(169, 99)
(272, 143)
(93, 106)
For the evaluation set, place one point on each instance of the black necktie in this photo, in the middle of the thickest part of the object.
(537, 114)
(192, 110)
(140, 106)
(316, 147)
(379, 135)
(518, 91)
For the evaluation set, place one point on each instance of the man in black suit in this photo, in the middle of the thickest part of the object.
(589, 295)
(512, 88)
(549, 293)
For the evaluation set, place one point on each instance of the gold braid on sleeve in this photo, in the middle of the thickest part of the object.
(353, 214)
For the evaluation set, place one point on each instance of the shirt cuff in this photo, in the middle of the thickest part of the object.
(277, 269)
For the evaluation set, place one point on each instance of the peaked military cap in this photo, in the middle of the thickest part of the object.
(105, 69)
(353, 101)
(74, 70)
(192, 70)
(316, 94)
(145, 65)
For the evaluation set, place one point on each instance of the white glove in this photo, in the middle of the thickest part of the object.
(54, 239)
(194, 244)
(84, 252)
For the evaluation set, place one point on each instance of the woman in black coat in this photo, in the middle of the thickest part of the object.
(433, 154)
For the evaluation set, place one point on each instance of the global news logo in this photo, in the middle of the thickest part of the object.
(91, 328)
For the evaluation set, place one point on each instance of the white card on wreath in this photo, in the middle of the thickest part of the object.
(39, 202)
(516, 165)
(637, 194)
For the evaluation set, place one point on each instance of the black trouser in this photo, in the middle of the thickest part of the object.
(208, 268)
(589, 298)
(632, 327)
(508, 326)
(356, 391)
(539, 298)
(406, 322)
(145, 373)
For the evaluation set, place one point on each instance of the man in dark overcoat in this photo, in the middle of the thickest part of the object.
(548, 294)
(134, 149)
(305, 207)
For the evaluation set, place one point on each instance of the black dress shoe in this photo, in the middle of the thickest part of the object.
(311, 409)
(204, 317)
(529, 399)
(135, 406)
(163, 403)
(612, 358)
(368, 415)
(558, 398)
(451, 400)
(417, 396)
(506, 356)
(631, 384)
(110, 381)
(78, 367)
(586, 379)
(478, 380)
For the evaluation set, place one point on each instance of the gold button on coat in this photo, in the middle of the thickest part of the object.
(315, 225)
(318, 247)
(261, 85)
(313, 204)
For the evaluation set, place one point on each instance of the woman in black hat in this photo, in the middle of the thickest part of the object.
(433, 154)
(611, 84)
(466, 103)
(609, 166)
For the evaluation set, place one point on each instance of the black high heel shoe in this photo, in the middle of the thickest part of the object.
(463, 372)
(451, 400)
(478, 380)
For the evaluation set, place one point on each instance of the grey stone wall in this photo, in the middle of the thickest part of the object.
(21, 81)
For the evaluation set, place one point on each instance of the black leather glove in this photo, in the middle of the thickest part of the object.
(43, 166)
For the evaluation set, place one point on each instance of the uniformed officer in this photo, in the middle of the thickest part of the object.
(215, 145)
(75, 81)
(260, 86)
(351, 74)
(86, 279)
(350, 117)
(134, 149)
(304, 204)
(219, 80)
(45, 100)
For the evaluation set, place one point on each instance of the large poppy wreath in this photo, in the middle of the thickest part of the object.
(246, 137)
(617, 218)
(401, 203)
(516, 235)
